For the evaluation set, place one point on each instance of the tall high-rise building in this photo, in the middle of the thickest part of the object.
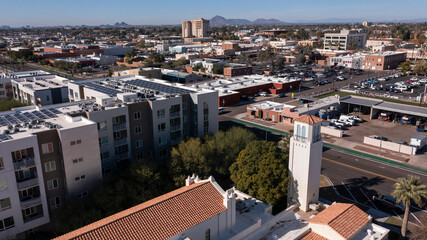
(195, 28)
(305, 160)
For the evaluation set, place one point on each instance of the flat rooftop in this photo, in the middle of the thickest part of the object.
(42, 82)
(272, 106)
(134, 84)
(58, 122)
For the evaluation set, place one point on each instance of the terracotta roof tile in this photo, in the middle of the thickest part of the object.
(160, 218)
(308, 119)
(313, 236)
(345, 219)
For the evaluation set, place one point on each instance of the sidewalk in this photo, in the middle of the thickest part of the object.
(344, 145)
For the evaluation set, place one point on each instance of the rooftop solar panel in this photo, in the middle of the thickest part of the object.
(158, 87)
(29, 116)
(102, 89)
(39, 115)
(54, 110)
(11, 119)
(47, 113)
(20, 117)
(2, 122)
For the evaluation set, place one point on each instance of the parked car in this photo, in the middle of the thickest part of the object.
(388, 201)
(382, 79)
(221, 110)
(414, 79)
(357, 118)
(263, 94)
(379, 138)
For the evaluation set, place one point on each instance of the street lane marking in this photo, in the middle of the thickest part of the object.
(396, 214)
(416, 218)
(360, 169)
(349, 192)
(368, 199)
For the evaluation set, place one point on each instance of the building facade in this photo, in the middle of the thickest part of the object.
(195, 28)
(345, 40)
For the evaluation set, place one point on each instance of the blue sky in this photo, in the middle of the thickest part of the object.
(140, 12)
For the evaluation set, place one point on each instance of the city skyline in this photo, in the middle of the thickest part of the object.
(54, 13)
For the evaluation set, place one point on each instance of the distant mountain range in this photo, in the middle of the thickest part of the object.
(222, 21)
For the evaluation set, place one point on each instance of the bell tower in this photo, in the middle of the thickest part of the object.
(305, 160)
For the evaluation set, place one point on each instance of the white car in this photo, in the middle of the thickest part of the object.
(263, 94)
(413, 79)
(382, 79)
(308, 79)
(424, 80)
(357, 118)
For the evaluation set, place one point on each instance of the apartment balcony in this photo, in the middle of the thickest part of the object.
(175, 115)
(31, 202)
(24, 163)
(32, 217)
(175, 141)
(175, 128)
(32, 182)
(118, 127)
(121, 141)
(122, 156)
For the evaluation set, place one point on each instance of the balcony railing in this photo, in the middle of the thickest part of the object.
(119, 142)
(28, 183)
(175, 114)
(24, 163)
(122, 156)
(31, 202)
(33, 216)
(118, 127)
(175, 128)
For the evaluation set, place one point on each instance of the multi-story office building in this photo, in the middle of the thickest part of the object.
(383, 60)
(345, 40)
(195, 28)
(40, 89)
(42, 164)
(141, 118)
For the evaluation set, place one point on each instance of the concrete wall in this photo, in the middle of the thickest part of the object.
(390, 146)
(332, 132)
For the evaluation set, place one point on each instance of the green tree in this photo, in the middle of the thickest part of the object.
(406, 190)
(109, 72)
(188, 158)
(285, 142)
(8, 104)
(218, 69)
(130, 54)
(405, 67)
(420, 67)
(179, 62)
(300, 59)
(261, 171)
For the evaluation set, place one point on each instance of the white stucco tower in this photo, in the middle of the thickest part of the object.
(305, 160)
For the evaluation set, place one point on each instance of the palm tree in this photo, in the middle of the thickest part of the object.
(406, 190)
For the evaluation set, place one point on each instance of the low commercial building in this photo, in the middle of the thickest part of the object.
(40, 89)
(383, 60)
(347, 61)
(115, 50)
(69, 51)
(231, 90)
(375, 42)
(234, 69)
(148, 72)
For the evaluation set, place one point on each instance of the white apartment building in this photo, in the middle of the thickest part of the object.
(6, 81)
(40, 90)
(43, 164)
(345, 40)
(347, 61)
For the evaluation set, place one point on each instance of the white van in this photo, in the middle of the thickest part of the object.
(401, 88)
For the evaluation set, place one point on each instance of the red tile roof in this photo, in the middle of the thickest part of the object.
(345, 219)
(313, 236)
(308, 119)
(160, 218)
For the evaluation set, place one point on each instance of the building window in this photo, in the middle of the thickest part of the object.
(47, 148)
(103, 141)
(137, 115)
(138, 129)
(161, 127)
(161, 113)
(6, 223)
(208, 234)
(105, 156)
(184, 106)
(298, 131)
(52, 184)
(82, 195)
(55, 202)
(73, 142)
(102, 126)
(185, 118)
(5, 204)
(77, 160)
(303, 136)
(78, 141)
(50, 166)
(30, 211)
(1, 163)
(81, 177)
(138, 143)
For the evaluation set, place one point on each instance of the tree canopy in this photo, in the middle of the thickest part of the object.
(261, 171)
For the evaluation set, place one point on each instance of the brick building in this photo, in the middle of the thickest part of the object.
(383, 60)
